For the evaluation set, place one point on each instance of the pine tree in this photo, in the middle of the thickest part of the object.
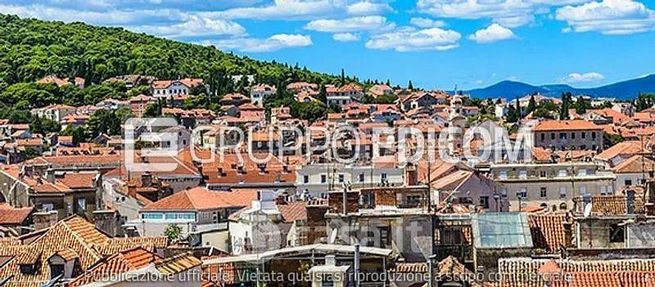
(343, 77)
(532, 105)
(410, 86)
(566, 104)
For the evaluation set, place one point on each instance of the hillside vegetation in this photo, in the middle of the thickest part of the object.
(31, 49)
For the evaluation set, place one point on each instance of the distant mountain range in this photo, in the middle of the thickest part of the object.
(622, 90)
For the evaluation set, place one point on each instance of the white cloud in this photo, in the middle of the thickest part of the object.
(345, 37)
(366, 23)
(612, 17)
(427, 23)
(407, 39)
(164, 22)
(582, 77)
(493, 33)
(304, 10)
(509, 13)
(273, 43)
(194, 26)
(368, 8)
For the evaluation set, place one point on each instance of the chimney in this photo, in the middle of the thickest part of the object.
(280, 200)
(50, 175)
(45, 219)
(146, 179)
(568, 232)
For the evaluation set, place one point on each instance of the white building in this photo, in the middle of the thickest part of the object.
(169, 88)
(54, 112)
(344, 95)
(318, 179)
(259, 92)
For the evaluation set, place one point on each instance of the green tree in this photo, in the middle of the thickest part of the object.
(566, 105)
(410, 86)
(43, 126)
(532, 105)
(173, 232)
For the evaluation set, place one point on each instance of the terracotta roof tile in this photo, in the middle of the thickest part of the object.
(547, 231)
(13, 216)
(571, 125)
(200, 198)
(626, 148)
(293, 211)
(178, 263)
(116, 264)
(635, 164)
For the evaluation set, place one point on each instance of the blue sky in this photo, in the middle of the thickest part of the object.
(434, 43)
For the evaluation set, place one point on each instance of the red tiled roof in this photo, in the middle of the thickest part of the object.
(116, 264)
(200, 198)
(571, 125)
(626, 148)
(293, 211)
(635, 164)
(13, 216)
(547, 231)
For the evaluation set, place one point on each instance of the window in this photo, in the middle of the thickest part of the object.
(385, 236)
(503, 174)
(593, 135)
(361, 177)
(628, 182)
(543, 192)
(484, 201)
(562, 136)
(48, 206)
(305, 178)
(383, 177)
(341, 178)
(583, 135)
(562, 192)
(552, 136)
(150, 215)
(323, 178)
(583, 190)
(523, 174)
(562, 172)
(56, 270)
(542, 173)
(81, 204)
(572, 135)
(522, 193)
(543, 136)
(582, 172)
(617, 233)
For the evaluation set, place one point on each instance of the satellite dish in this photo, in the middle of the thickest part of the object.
(587, 210)
(333, 236)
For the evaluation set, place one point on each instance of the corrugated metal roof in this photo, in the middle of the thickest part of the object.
(501, 230)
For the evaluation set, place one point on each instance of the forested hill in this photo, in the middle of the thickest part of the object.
(31, 49)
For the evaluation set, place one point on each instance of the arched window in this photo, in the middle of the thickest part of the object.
(563, 206)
